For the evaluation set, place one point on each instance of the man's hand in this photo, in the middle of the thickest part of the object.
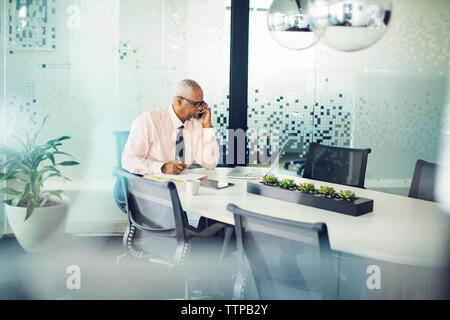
(173, 167)
(205, 119)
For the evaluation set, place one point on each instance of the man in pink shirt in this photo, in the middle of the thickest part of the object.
(170, 139)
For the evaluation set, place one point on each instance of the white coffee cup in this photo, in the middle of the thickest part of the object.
(192, 187)
(221, 176)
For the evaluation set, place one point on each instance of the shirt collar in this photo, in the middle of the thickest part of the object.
(176, 122)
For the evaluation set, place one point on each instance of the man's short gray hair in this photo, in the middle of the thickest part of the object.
(185, 85)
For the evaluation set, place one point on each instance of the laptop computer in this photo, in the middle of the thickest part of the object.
(245, 172)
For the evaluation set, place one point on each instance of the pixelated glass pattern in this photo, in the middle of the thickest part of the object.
(32, 25)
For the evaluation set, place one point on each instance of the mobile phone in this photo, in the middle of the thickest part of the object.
(200, 115)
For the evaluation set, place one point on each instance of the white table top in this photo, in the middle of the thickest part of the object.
(400, 230)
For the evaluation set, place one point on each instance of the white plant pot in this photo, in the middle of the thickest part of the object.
(43, 231)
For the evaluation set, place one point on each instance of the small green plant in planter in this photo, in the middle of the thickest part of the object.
(327, 192)
(33, 164)
(347, 195)
(288, 184)
(270, 180)
(306, 187)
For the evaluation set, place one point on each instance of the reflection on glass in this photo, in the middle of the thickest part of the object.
(289, 24)
(22, 22)
(291, 159)
(349, 25)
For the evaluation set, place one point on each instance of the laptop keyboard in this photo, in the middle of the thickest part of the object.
(254, 172)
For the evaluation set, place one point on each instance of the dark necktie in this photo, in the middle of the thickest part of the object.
(179, 148)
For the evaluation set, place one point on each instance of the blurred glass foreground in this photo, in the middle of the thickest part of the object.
(88, 268)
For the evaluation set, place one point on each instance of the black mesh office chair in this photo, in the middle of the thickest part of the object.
(158, 230)
(422, 184)
(288, 260)
(336, 164)
(121, 138)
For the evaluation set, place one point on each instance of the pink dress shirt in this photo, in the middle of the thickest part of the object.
(152, 140)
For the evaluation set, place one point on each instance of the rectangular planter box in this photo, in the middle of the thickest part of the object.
(356, 208)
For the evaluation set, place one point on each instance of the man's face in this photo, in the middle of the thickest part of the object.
(195, 95)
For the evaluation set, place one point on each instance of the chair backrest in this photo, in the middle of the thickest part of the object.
(422, 184)
(336, 164)
(156, 218)
(121, 140)
(288, 260)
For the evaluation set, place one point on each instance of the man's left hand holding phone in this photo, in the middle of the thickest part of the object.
(204, 116)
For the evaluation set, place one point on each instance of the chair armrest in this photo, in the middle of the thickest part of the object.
(301, 162)
(288, 163)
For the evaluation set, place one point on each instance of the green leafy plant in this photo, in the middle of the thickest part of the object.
(270, 180)
(32, 164)
(327, 192)
(288, 184)
(306, 187)
(347, 195)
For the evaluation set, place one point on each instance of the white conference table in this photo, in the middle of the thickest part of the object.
(400, 230)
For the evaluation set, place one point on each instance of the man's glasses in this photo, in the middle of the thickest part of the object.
(196, 104)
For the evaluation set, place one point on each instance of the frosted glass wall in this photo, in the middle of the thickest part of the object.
(2, 110)
(388, 97)
(94, 66)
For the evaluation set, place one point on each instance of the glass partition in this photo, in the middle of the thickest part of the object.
(94, 66)
(388, 97)
(2, 107)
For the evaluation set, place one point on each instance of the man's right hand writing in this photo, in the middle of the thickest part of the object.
(173, 167)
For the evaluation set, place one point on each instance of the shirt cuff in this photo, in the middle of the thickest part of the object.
(156, 167)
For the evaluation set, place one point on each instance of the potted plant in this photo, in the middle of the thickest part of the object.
(324, 197)
(307, 188)
(327, 192)
(270, 181)
(288, 184)
(347, 195)
(36, 216)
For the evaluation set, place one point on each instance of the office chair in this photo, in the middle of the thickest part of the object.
(422, 184)
(288, 260)
(121, 139)
(158, 230)
(336, 164)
